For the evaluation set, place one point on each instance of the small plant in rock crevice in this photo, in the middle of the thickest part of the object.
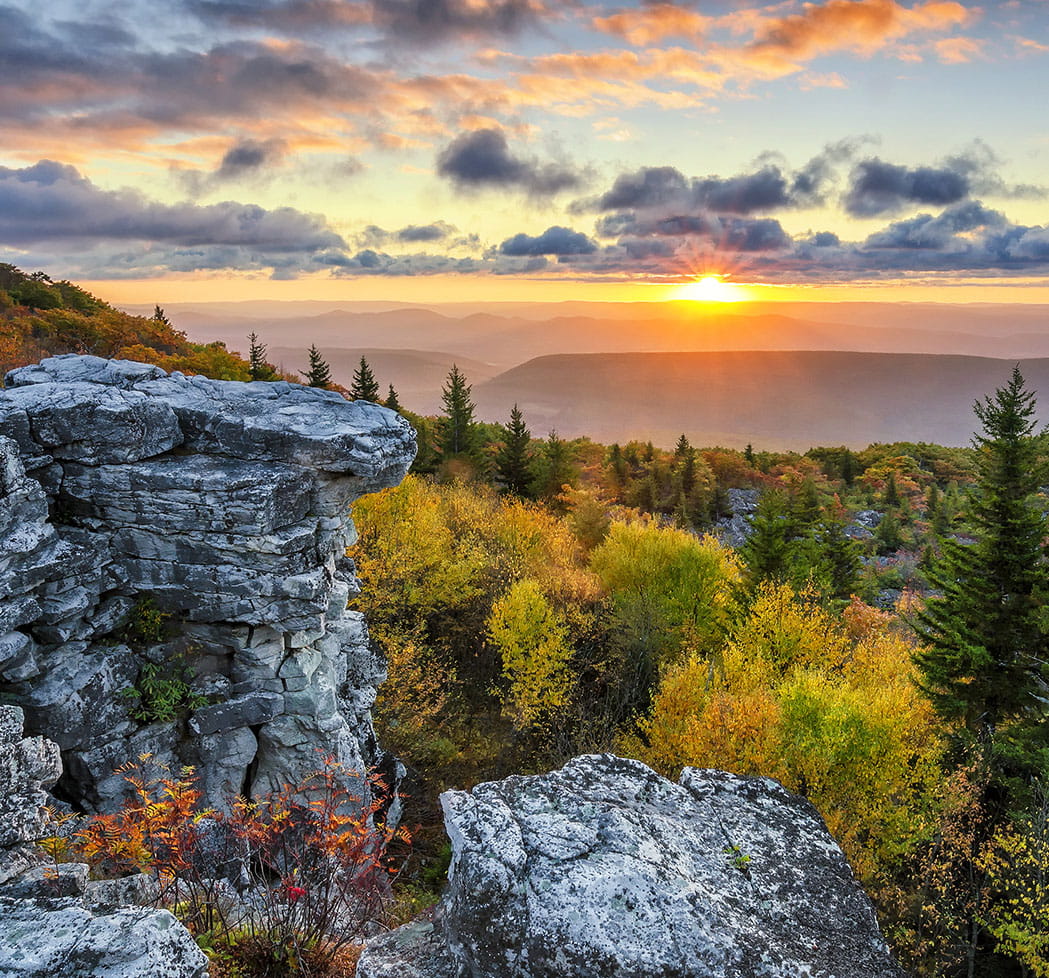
(163, 692)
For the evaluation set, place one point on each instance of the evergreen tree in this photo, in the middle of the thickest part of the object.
(365, 387)
(458, 435)
(840, 558)
(891, 496)
(766, 551)
(554, 468)
(986, 661)
(806, 509)
(158, 315)
(391, 400)
(514, 461)
(257, 365)
(748, 455)
(319, 374)
(888, 534)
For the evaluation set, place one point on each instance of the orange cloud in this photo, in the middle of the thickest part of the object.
(958, 50)
(863, 26)
(650, 24)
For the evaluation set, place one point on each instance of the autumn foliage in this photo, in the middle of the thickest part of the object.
(280, 885)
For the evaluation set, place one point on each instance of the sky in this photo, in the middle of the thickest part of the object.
(514, 149)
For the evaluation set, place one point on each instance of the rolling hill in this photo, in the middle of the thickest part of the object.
(785, 400)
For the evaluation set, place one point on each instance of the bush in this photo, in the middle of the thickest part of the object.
(283, 885)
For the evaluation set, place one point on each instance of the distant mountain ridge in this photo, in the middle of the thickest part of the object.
(773, 400)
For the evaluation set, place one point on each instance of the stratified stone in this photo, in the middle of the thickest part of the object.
(205, 523)
(606, 869)
(28, 766)
(91, 424)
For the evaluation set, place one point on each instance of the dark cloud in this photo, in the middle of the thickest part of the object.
(52, 201)
(928, 232)
(374, 236)
(482, 158)
(877, 187)
(400, 21)
(651, 186)
(554, 240)
(425, 232)
(249, 156)
(769, 187)
(428, 20)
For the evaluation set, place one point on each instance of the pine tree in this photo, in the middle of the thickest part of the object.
(158, 316)
(766, 551)
(458, 435)
(986, 661)
(319, 374)
(554, 468)
(257, 365)
(514, 462)
(365, 387)
(391, 400)
(891, 496)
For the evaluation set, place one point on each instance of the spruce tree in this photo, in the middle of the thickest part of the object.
(985, 665)
(319, 374)
(554, 468)
(458, 435)
(257, 365)
(891, 496)
(766, 551)
(391, 400)
(364, 387)
(514, 462)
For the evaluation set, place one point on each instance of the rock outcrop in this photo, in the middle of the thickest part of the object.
(52, 923)
(180, 530)
(606, 870)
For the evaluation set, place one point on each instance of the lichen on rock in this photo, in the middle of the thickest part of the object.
(604, 869)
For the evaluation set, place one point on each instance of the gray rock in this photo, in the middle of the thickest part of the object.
(606, 869)
(248, 710)
(140, 890)
(415, 950)
(48, 881)
(227, 506)
(90, 424)
(64, 939)
(28, 765)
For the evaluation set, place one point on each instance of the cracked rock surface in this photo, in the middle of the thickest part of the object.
(604, 868)
(225, 507)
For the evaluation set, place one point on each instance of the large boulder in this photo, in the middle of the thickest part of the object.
(158, 528)
(64, 938)
(604, 869)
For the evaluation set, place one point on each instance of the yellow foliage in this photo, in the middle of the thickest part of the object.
(792, 696)
(1017, 867)
(533, 643)
(686, 581)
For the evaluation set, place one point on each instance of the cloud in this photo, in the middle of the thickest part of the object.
(653, 22)
(863, 26)
(482, 158)
(941, 231)
(374, 236)
(877, 187)
(554, 240)
(769, 187)
(52, 203)
(428, 20)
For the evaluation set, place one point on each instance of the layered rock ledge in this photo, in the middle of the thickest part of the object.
(220, 512)
(604, 869)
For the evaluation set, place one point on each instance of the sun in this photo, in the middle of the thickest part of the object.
(710, 288)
